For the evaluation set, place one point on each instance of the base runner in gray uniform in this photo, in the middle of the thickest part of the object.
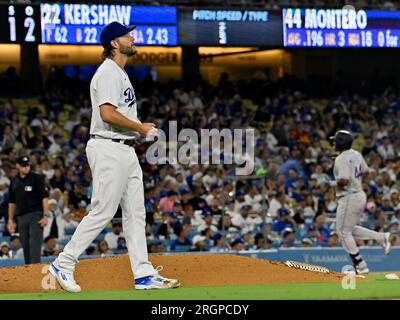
(116, 171)
(349, 169)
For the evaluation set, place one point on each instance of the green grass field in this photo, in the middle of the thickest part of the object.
(380, 288)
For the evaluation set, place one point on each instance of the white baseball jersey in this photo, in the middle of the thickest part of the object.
(349, 165)
(111, 84)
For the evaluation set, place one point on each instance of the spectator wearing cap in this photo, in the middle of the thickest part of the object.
(115, 233)
(77, 198)
(241, 221)
(307, 243)
(288, 237)
(207, 221)
(313, 234)
(121, 246)
(28, 203)
(220, 243)
(5, 250)
(199, 243)
(333, 240)
(283, 221)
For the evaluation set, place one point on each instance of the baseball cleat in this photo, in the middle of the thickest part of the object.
(66, 281)
(156, 282)
(362, 268)
(387, 243)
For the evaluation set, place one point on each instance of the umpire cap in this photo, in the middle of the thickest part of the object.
(342, 140)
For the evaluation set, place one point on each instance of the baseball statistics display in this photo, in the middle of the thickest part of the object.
(341, 28)
(19, 23)
(229, 27)
(82, 23)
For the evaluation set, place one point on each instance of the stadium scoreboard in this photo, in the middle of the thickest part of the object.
(82, 23)
(341, 28)
(19, 23)
(78, 23)
(229, 27)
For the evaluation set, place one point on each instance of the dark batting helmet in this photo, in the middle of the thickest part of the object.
(342, 140)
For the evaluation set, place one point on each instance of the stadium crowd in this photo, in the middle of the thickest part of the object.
(288, 202)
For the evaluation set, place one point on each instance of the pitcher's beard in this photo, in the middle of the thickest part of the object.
(128, 50)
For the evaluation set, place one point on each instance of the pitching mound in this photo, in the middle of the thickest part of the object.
(114, 273)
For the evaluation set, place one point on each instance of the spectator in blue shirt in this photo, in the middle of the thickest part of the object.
(323, 231)
(283, 221)
(182, 240)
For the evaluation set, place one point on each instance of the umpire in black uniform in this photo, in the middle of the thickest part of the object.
(28, 203)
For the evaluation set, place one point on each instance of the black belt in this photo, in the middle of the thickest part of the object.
(130, 143)
(348, 194)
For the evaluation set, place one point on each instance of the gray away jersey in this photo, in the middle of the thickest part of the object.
(110, 84)
(350, 165)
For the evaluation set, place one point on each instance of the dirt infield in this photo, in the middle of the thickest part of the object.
(191, 269)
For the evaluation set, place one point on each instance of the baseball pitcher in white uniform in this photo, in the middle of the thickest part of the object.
(117, 175)
(349, 169)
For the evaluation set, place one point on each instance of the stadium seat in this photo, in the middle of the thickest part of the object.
(182, 249)
(5, 238)
(64, 241)
(100, 237)
(69, 231)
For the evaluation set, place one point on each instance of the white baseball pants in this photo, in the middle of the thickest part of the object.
(117, 179)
